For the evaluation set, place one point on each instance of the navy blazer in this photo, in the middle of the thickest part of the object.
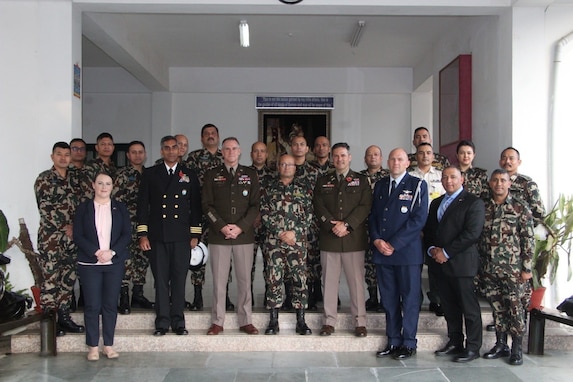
(458, 233)
(85, 235)
(399, 219)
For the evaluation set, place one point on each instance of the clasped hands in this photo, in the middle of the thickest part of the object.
(339, 228)
(104, 255)
(384, 247)
(288, 237)
(231, 231)
(438, 255)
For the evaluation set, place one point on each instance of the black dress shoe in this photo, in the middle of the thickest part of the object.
(404, 352)
(159, 332)
(388, 351)
(466, 356)
(449, 349)
(437, 309)
(181, 331)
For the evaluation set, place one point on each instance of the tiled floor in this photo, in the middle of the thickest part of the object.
(292, 367)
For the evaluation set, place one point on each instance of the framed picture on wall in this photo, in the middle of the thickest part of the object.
(455, 105)
(278, 127)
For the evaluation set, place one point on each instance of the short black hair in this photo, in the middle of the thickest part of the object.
(135, 143)
(104, 135)
(60, 145)
(78, 140)
(206, 126)
(511, 148)
(424, 144)
(338, 145)
(465, 142)
(421, 128)
(167, 138)
(499, 171)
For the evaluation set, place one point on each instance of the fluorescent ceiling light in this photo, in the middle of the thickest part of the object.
(357, 33)
(244, 33)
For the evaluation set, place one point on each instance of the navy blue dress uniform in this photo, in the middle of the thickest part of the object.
(169, 215)
(398, 218)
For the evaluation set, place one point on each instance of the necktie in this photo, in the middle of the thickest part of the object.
(393, 187)
(443, 206)
(232, 171)
(170, 172)
(340, 178)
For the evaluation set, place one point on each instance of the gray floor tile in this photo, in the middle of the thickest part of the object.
(201, 375)
(272, 375)
(343, 374)
(410, 374)
(480, 374)
(107, 374)
(246, 360)
(304, 359)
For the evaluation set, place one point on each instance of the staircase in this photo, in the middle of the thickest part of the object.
(134, 334)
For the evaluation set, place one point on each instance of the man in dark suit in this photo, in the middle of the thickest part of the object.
(342, 200)
(398, 214)
(231, 205)
(169, 225)
(454, 226)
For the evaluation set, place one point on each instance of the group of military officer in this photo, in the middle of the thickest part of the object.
(309, 219)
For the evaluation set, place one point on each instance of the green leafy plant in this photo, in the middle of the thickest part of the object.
(555, 238)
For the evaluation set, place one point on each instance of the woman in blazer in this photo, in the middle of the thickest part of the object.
(102, 232)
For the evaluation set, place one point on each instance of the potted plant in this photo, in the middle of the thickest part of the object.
(552, 238)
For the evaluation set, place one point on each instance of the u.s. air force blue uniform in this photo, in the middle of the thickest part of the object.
(398, 219)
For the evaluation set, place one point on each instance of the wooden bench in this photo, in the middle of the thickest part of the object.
(47, 329)
(537, 319)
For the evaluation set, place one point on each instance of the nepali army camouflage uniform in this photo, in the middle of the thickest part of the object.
(126, 190)
(286, 208)
(306, 175)
(322, 168)
(202, 161)
(440, 161)
(266, 176)
(57, 199)
(90, 170)
(369, 266)
(476, 182)
(506, 249)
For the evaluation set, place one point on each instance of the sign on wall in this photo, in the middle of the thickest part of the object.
(272, 102)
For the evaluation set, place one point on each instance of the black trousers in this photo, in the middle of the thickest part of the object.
(169, 264)
(461, 306)
(101, 285)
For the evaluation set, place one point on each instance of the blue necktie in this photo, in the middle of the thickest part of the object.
(443, 206)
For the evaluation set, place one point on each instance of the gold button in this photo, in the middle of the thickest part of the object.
(164, 206)
(176, 196)
(164, 196)
(164, 216)
(176, 216)
(176, 206)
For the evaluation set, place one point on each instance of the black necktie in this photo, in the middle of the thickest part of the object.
(393, 187)
(340, 178)
(170, 172)
(232, 171)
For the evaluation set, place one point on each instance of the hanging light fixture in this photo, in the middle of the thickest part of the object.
(357, 33)
(244, 33)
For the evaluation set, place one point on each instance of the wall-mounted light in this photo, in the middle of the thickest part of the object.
(244, 33)
(357, 33)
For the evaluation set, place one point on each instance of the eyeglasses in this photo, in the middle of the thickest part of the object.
(287, 165)
(78, 149)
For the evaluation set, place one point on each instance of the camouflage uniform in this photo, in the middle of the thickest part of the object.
(286, 208)
(369, 266)
(322, 168)
(89, 172)
(306, 175)
(475, 181)
(126, 190)
(202, 161)
(57, 200)
(506, 249)
(440, 161)
(266, 175)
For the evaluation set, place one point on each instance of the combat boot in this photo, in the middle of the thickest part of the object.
(138, 300)
(273, 327)
(516, 357)
(123, 307)
(66, 324)
(197, 299)
(500, 349)
(301, 327)
(372, 302)
(287, 303)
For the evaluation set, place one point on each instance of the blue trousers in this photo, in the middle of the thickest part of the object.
(399, 287)
(101, 285)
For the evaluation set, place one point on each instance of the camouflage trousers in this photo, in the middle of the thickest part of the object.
(58, 262)
(506, 295)
(260, 242)
(370, 267)
(286, 263)
(136, 266)
(314, 269)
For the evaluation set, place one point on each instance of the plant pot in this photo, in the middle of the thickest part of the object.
(536, 298)
(36, 293)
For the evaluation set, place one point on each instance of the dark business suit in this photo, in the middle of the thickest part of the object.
(169, 214)
(101, 283)
(398, 219)
(457, 233)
